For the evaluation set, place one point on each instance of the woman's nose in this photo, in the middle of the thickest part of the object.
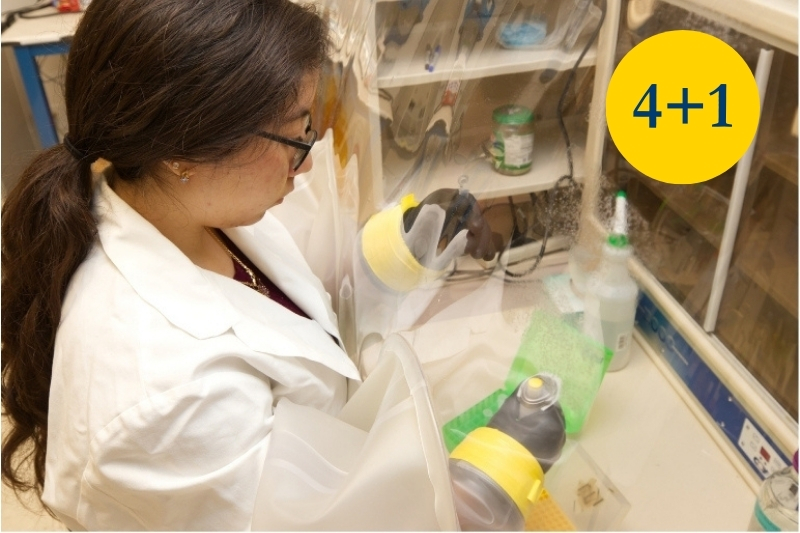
(306, 166)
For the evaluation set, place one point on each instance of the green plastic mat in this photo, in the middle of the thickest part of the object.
(552, 345)
(476, 416)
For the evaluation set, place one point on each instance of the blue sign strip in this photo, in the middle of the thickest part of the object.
(701, 381)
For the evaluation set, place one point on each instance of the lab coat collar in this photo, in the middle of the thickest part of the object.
(287, 270)
(205, 304)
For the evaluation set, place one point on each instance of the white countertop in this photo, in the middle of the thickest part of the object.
(45, 30)
(659, 455)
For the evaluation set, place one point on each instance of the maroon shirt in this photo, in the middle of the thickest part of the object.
(241, 274)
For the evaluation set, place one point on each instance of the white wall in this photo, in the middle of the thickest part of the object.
(16, 4)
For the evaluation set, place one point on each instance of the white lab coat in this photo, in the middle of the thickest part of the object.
(168, 380)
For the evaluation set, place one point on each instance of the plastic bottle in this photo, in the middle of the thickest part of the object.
(611, 293)
(498, 470)
(776, 504)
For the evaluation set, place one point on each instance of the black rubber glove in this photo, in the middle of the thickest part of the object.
(462, 213)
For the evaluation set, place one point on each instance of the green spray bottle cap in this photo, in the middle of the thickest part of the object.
(619, 228)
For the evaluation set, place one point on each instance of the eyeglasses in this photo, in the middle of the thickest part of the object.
(303, 147)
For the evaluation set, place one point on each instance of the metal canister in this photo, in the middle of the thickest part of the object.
(512, 140)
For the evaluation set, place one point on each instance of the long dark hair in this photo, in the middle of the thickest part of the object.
(146, 81)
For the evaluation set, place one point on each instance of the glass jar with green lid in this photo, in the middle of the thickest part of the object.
(512, 140)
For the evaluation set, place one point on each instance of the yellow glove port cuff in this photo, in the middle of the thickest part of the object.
(387, 254)
(505, 461)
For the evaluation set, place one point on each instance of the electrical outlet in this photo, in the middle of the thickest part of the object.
(760, 453)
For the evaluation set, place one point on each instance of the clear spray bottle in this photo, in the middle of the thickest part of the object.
(611, 293)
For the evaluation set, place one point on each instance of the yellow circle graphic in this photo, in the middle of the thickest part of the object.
(682, 107)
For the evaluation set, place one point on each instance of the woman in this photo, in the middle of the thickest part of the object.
(128, 290)
(153, 317)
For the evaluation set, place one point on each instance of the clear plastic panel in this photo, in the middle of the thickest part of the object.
(414, 83)
(758, 312)
(420, 93)
(677, 229)
(411, 94)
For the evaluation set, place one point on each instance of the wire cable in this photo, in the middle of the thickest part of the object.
(570, 80)
(45, 15)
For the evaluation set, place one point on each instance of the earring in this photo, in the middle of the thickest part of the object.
(175, 167)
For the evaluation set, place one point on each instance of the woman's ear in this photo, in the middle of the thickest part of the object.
(173, 166)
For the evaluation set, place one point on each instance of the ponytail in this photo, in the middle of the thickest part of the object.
(47, 231)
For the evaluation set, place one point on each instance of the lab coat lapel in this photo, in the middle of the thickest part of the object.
(283, 263)
(270, 247)
(158, 271)
(267, 326)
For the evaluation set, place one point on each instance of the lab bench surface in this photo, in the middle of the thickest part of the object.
(647, 440)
